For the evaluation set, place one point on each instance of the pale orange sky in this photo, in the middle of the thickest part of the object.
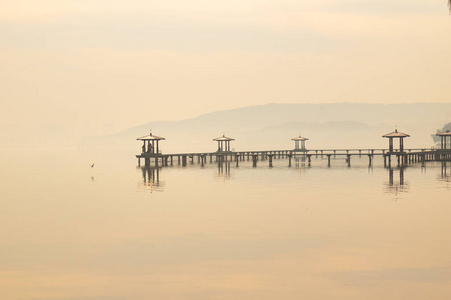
(100, 66)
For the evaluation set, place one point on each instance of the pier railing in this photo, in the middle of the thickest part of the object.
(412, 155)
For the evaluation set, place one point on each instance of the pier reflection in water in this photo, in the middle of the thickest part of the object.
(151, 179)
(445, 174)
(396, 186)
(224, 169)
(396, 183)
(300, 161)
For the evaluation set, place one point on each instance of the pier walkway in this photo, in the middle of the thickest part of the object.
(407, 156)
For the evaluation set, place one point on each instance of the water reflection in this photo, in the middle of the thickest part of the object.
(224, 169)
(396, 183)
(300, 162)
(396, 186)
(445, 174)
(151, 179)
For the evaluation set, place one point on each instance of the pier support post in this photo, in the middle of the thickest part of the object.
(328, 160)
(348, 160)
(254, 160)
(289, 160)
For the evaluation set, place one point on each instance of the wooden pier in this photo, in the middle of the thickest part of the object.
(152, 156)
(408, 156)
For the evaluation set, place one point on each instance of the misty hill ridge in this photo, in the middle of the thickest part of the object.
(350, 123)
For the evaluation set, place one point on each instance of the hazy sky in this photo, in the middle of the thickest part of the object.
(98, 66)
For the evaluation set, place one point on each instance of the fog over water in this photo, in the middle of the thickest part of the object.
(69, 231)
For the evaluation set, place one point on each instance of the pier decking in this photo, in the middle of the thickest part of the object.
(408, 156)
(152, 155)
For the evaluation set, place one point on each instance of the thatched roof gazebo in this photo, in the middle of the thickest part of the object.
(443, 137)
(223, 143)
(152, 143)
(398, 135)
(296, 143)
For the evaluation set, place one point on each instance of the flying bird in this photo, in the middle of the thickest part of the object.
(92, 166)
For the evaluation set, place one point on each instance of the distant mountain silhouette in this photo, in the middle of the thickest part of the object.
(272, 126)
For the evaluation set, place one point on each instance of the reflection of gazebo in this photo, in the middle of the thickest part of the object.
(296, 143)
(151, 179)
(223, 143)
(152, 143)
(398, 135)
(443, 136)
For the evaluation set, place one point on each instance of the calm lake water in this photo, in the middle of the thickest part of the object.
(69, 231)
